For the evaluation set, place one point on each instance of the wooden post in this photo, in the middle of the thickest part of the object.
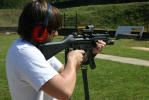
(64, 20)
(76, 20)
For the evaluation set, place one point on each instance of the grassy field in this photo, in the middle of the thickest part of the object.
(5, 42)
(122, 47)
(9, 17)
(108, 16)
(109, 81)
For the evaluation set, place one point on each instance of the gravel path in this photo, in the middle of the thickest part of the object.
(124, 59)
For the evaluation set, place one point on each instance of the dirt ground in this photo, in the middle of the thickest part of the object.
(141, 48)
(126, 59)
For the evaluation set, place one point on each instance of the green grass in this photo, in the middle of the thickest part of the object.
(113, 81)
(109, 81)
(111, 15)
(9, 17)
(122, 47)
(5, 42)
(107, 16)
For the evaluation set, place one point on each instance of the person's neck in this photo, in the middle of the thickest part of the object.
(33, 42)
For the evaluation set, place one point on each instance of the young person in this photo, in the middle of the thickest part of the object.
(30, 75)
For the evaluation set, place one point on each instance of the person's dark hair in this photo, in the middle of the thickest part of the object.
(33, 15)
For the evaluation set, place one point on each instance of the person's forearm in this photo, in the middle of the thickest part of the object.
(61, 69)
(69, 75)
(62, 85)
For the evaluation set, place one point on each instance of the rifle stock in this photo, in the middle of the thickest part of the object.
(52, 48)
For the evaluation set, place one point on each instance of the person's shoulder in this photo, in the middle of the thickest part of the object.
(25, 47)
(22, 44)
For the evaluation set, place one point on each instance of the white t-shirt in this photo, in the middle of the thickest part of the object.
(27, 70)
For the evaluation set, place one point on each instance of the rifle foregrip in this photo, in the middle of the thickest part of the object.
(91, 59)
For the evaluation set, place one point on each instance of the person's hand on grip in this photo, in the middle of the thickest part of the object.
(99, 46)
(76, 56)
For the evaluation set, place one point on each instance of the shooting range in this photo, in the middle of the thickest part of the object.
(120, 72)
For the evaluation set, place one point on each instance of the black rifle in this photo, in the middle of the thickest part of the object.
(86, 42)
(82, 42)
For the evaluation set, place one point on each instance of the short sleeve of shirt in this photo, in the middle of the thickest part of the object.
(34, 67)
(55, 63)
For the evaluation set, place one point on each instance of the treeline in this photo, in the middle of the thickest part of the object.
(73, 3)
(6, 4)
(103, 1)
(112, 15)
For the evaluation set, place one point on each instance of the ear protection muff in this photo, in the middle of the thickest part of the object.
(40, 32)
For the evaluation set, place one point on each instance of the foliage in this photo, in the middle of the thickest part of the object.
(61, 3)
(12, 3)
(111, 15)
(107, 16)
(9, 17)
(77, 3)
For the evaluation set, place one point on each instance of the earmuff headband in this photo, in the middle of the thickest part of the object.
(46, 19)
(42, 29)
